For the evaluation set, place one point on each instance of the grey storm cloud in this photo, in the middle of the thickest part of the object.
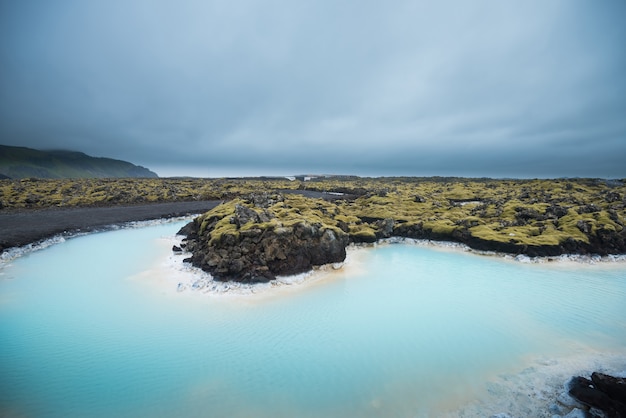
(483, 88)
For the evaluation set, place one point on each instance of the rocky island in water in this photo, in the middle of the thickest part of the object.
(255, 237)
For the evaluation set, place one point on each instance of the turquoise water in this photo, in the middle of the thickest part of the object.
(401, 331)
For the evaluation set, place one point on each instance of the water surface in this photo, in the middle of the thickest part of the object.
(88, 328)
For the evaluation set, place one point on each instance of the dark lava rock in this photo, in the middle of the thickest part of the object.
(384, 228)
(613, 197)
(243, 215)
(556, 211)
(584, 226)
(523, 215)
(591, 208)
(603, 392)
(615, 387)
(258, 255)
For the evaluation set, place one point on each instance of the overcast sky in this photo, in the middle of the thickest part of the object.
(500, 88)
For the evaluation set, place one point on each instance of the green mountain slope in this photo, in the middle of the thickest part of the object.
(21, 162)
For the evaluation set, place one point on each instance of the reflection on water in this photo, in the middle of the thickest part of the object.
(90, 327)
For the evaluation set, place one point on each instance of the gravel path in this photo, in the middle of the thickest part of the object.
(28, 226)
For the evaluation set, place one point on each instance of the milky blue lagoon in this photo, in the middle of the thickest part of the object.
(94, 327)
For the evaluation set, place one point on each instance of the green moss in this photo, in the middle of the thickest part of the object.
(491, 233)
(362, 232)
(441, 227)
(568, 224)
(348, 219)
(272, 224)
(531, 236)
(604, 220)
(459, 191)
(526, 235)
(494, 219)
(204, 223)
(222, 227)
(293, 211)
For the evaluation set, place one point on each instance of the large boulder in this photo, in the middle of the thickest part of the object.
(603, 393)
(246, 243)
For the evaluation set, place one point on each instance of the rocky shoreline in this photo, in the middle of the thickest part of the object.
(256, 238)
(604, 243)
(542, 389)
(601, 396)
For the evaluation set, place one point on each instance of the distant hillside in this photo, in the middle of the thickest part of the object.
(21, 162)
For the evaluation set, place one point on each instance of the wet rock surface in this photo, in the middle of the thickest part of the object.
(602, 395)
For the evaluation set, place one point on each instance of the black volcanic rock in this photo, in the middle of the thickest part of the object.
(614, 387)
(603, 392)
(256, 255)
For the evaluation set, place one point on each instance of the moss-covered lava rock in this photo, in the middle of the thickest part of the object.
(255, 239)
(264, 235)
(532, 216)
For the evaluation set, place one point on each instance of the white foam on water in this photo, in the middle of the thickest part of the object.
(12, 253)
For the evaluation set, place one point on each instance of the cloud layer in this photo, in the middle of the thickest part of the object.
(482, 88)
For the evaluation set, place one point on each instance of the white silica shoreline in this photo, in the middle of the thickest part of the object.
(184, 278)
